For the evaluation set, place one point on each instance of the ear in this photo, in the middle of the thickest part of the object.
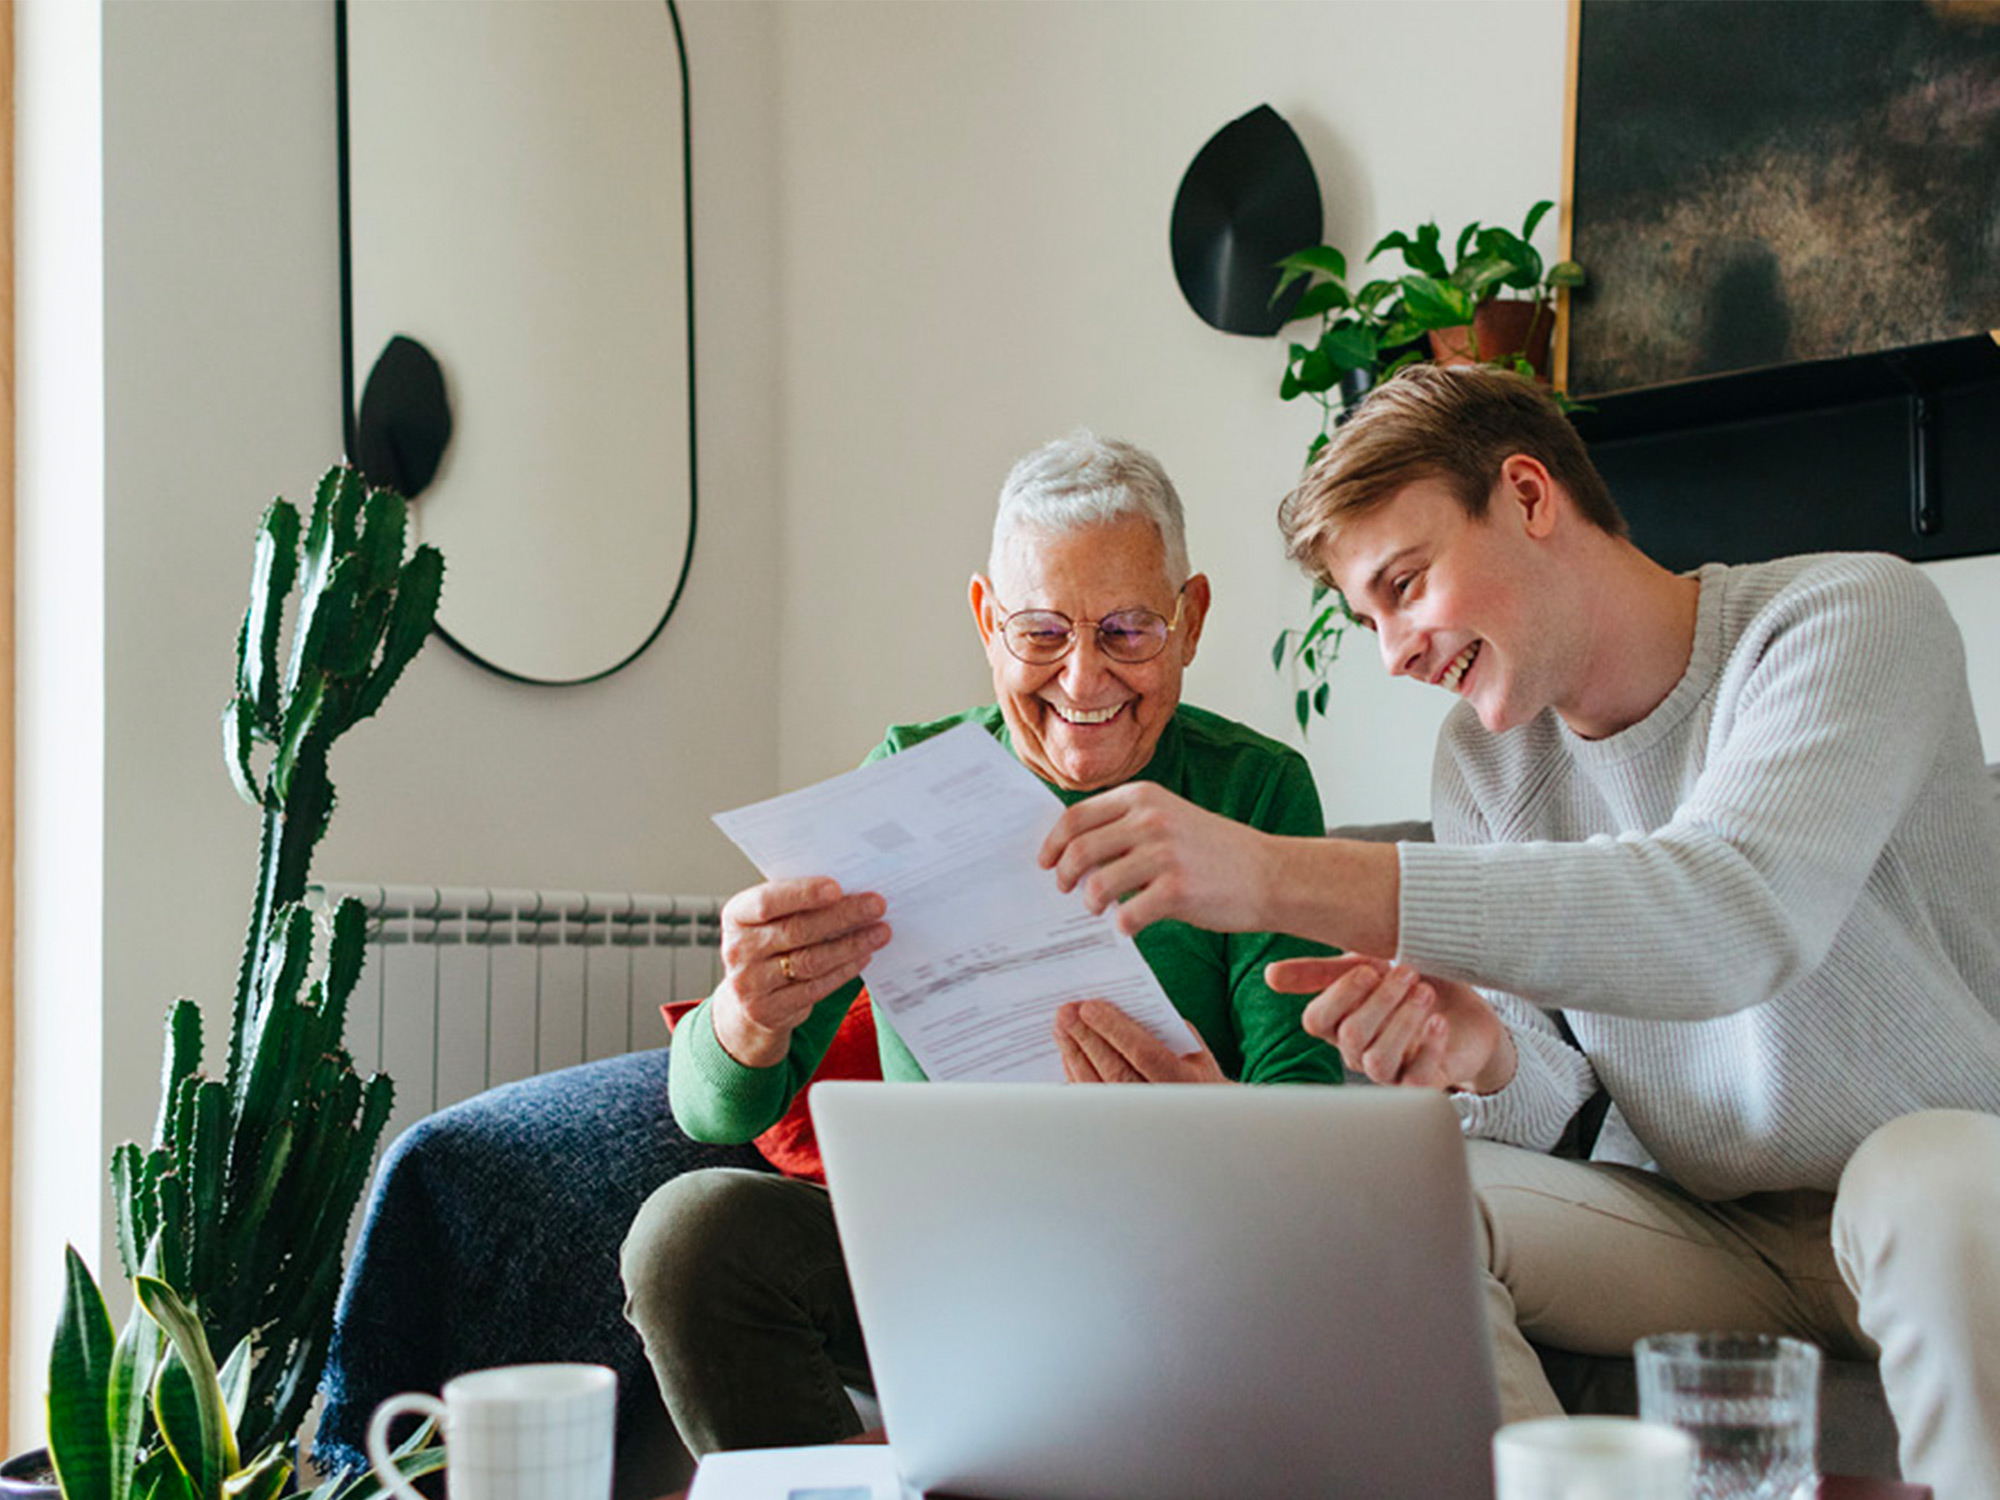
(1194, 612)
(984, 608)
(1530, 494)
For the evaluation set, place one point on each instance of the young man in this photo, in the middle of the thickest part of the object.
(1721, 846)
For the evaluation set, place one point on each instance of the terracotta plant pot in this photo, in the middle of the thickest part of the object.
(1503, 327)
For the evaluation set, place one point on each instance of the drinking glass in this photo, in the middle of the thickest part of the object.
(1749, 1400)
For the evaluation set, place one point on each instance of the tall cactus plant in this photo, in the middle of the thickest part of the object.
(243, 1200)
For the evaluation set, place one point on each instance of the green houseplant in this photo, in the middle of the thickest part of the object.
(1464, 308)
(1454, 312)
(232, 1224)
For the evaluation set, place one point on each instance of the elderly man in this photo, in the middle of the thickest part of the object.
(1719, 845)
(1089, 616)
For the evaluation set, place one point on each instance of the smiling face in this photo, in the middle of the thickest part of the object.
(1087, 721)
(1463, 604)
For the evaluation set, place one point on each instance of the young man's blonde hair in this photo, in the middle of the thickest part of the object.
(1457, 424)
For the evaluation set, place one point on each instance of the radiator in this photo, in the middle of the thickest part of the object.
(465, 988)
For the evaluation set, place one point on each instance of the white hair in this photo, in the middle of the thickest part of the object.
(1085, 480)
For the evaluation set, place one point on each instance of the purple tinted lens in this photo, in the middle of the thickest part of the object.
(1038, 635)
(1132, 634)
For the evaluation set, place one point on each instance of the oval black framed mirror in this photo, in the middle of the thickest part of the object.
(517, 311)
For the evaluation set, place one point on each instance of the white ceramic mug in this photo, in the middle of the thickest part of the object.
(1592, 1458)
(519, 1432)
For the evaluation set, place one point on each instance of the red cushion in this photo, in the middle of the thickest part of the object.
(790, 1145)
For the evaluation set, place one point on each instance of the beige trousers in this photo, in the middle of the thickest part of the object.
(1903, 1261)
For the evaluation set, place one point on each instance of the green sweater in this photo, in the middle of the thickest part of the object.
(1215, 980)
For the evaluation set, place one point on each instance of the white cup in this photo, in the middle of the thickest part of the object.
(1592, 1458)
(520, 1432)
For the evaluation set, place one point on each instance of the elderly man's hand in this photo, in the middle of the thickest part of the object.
(1394, 1025)
(1101, 1044)
(1158, 856)
(786, 946)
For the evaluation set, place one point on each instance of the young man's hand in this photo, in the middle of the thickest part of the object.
(1156, 855)
(1394, 1025)
(1101, 1044)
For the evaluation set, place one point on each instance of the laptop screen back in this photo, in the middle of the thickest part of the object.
(1165, 1292)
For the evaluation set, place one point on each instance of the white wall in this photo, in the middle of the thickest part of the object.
(221, 388)
(975, 211)
(976, 202)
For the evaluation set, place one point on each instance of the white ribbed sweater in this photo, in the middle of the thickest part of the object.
(1769, 911)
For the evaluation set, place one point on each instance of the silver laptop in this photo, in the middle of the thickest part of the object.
(1165, 1292)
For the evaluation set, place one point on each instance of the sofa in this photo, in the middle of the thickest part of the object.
(492, 1234)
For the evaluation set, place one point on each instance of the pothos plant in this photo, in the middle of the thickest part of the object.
(1366, 334)
(233, 1223)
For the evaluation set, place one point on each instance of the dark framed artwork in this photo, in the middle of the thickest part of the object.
(1765, 182)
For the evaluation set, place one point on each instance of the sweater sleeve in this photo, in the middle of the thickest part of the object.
(1843, 682)
(1552, 1079)
(1275, 1047)
(717, 1098)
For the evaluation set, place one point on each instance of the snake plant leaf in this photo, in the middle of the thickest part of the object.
(135, 1363)
(272, 571)
(79, 1387)
(418, 588)
(265, 1479)
(187, 1397)
(239, 724)
(417, 1455)
(233, 1380)
(301, 718)
(158, 1477)
(177, 1411)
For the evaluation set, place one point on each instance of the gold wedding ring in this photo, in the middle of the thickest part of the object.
(785, 963)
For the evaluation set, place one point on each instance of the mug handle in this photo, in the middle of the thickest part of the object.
(379, 1456)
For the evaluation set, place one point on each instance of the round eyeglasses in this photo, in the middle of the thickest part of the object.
(1042, 637)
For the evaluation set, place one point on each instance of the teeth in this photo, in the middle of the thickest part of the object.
(1084, 716)
(1458, 668)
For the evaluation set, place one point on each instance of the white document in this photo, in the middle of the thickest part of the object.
(843, 1471)
(985, 947)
